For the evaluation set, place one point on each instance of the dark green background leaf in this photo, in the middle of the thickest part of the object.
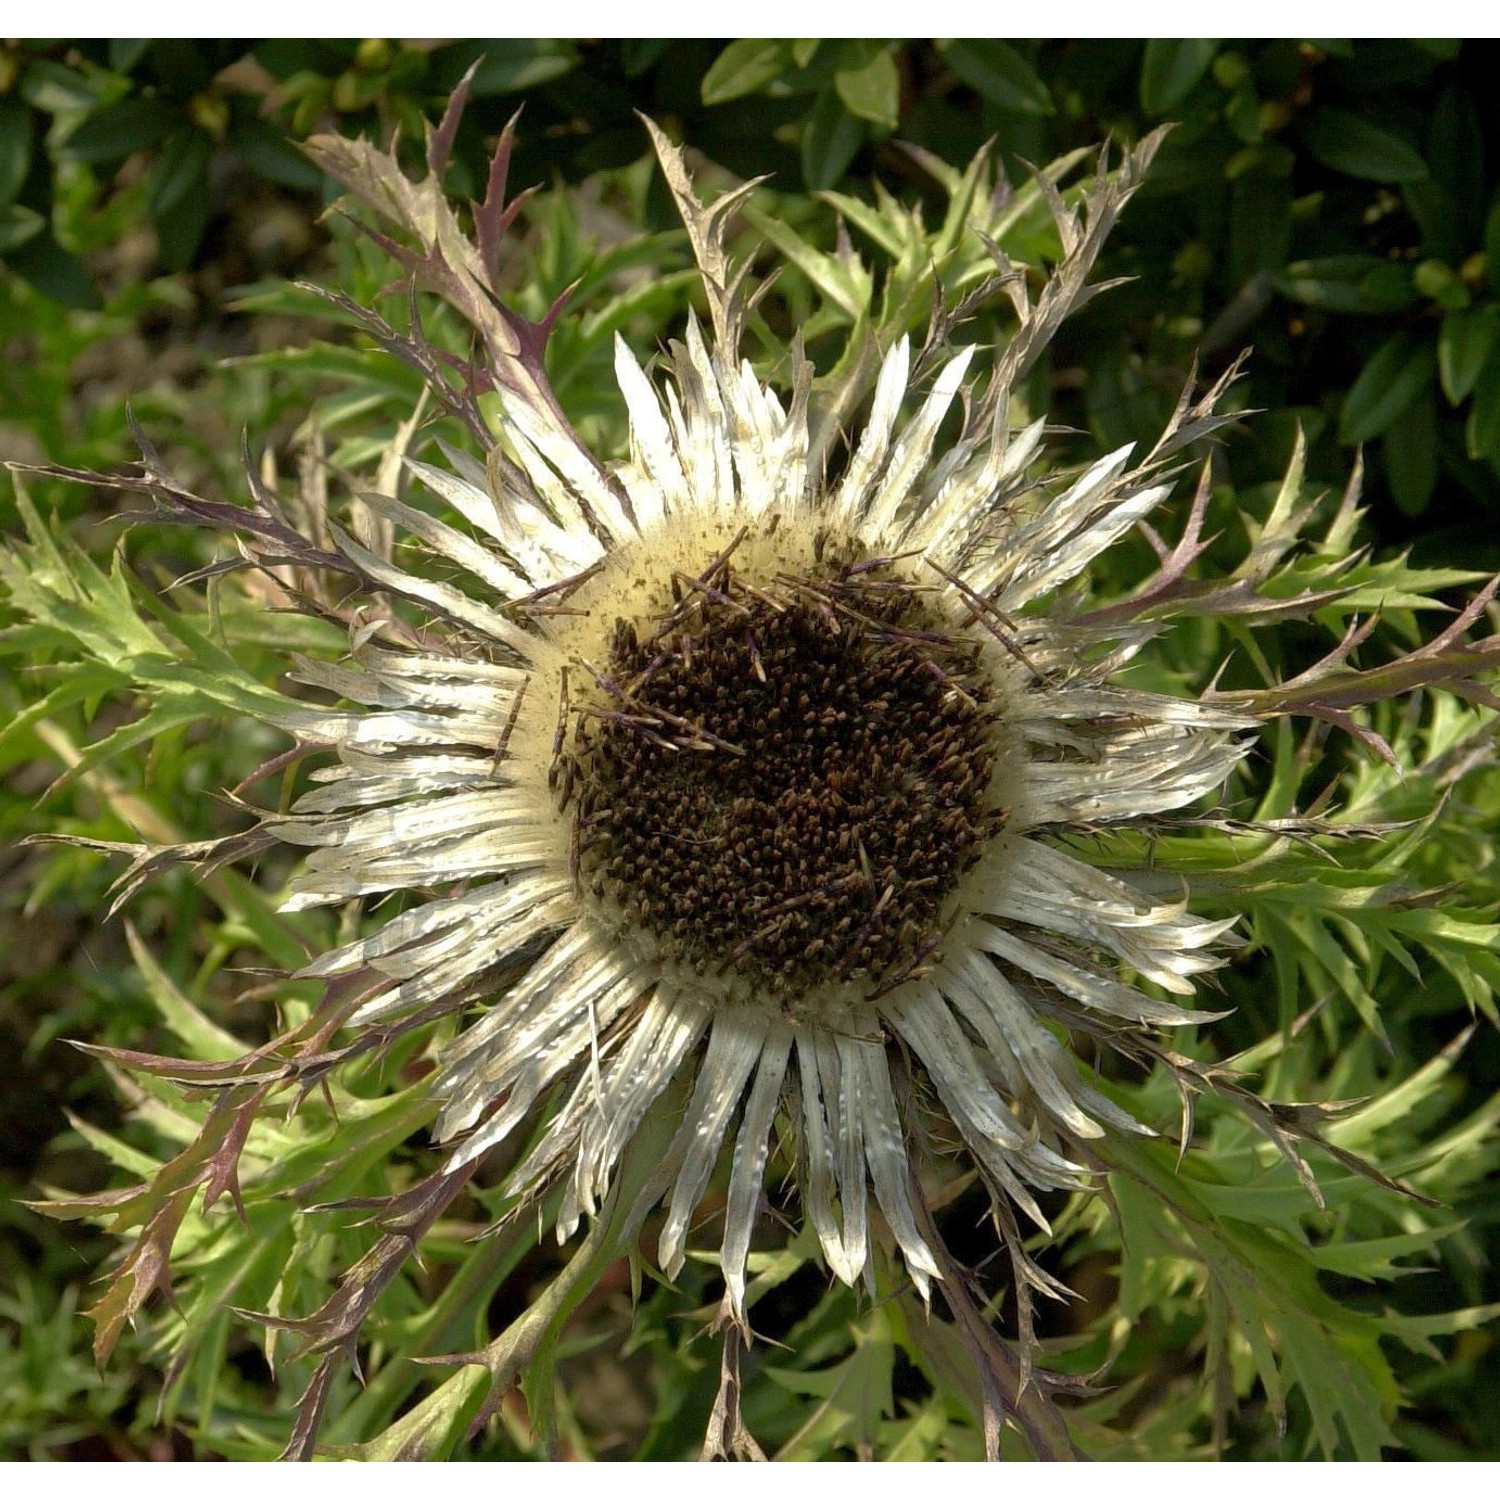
(1465, 345)
(1410, 452)
(830, 140)
(744, 67)
(15, 147)
(17, 225)
(1400, 370)
(871, 88)
(53, 271)
(1483, 430)
(118, 129)
(180, 170)
(1171, 70)
(1353, 144)
(999, 73)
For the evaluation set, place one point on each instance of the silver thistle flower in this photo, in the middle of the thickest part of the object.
(760, 776)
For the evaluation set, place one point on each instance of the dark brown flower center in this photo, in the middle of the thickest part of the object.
(788, 781)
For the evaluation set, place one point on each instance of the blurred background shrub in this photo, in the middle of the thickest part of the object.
(1332, 204)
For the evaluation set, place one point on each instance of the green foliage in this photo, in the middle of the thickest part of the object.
(1333, 204)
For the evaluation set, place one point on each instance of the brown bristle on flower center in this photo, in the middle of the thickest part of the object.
(788, 781)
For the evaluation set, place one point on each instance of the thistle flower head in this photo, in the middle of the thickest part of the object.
(759, 771)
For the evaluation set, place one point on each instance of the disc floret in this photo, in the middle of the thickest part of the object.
(780, 778)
